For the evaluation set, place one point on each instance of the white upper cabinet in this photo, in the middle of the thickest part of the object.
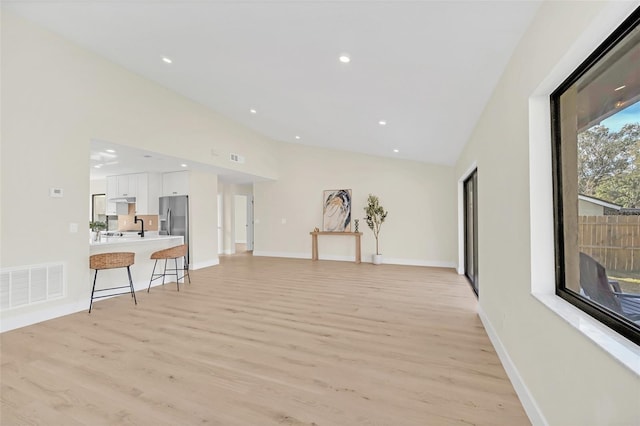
(148, 192)
(127, 185)
(112, 192)
(175, 183)
(122, 186)
(145, 187)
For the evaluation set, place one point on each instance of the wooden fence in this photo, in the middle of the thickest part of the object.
(612, 240)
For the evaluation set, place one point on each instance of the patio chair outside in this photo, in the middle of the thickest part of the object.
(597, 287)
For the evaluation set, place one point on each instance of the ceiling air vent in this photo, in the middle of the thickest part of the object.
(237, 158)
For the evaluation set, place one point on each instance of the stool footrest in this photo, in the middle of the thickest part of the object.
(170, 271)
(112, 294)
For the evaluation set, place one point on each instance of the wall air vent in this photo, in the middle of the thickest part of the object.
(27, 285)
(237, 158)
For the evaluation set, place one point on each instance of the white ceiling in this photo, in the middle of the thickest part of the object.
(426, 67)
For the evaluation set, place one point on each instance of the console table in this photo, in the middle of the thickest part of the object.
(314, 242)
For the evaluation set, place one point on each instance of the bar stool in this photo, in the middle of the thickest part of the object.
(111, 261)
(166, 254)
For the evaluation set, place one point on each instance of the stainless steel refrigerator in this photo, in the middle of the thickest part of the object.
(174, 217)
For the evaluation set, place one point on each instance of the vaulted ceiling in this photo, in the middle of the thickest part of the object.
(424, 68)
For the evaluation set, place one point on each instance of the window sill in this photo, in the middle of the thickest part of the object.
(624, 351)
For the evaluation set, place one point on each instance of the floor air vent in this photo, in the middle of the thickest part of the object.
(31, 284)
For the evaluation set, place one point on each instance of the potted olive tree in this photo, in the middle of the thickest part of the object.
(376, 215)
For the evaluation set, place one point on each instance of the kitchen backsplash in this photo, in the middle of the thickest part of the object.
(127, 222)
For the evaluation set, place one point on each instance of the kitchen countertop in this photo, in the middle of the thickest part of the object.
(104, 241)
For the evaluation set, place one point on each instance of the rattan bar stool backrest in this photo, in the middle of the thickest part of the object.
(170, 253)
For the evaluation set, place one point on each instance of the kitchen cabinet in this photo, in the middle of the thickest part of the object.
(127, 185)
(145, 187)
(175, 183)
(148, 189)
(113, 208)
(122, 186)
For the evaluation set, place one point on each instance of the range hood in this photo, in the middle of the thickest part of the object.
(127, 200)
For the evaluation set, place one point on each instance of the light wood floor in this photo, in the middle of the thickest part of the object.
(264, 341)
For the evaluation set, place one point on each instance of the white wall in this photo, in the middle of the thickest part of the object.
(571, 381)
(420, 228)
(203, 224)
(56, 97)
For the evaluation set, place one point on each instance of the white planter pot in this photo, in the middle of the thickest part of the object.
(377, 259)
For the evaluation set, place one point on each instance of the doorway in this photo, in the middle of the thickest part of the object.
(220, 229)
(240, 213)
(243, 220)
(470, 192)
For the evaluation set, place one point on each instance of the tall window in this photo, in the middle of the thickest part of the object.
(596, 156)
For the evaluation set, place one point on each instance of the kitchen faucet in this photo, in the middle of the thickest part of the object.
(141, 233)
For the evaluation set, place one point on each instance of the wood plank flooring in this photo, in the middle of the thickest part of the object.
(266, 341)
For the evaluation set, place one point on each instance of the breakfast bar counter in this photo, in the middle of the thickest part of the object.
(112, 241)
(143, 265)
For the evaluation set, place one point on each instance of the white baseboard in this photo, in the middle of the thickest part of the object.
(390, 261)
(282, 254)
(417, 262)
(40, 315)
(205, 264)
(528, 402)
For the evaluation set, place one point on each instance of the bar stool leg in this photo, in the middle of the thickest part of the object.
(186, 269)
(133, 292)
(152, 274)
(175, 260)
(164, 273)
(93, 290)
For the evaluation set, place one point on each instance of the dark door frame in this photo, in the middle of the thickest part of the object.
(471, 237)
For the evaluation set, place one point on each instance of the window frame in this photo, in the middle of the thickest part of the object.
(617, 323)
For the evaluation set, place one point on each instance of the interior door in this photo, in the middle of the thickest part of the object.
(220, 231)
(250, 223)
(471, 230)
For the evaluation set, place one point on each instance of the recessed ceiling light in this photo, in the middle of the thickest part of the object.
(183, 165)
(166, 60)
(620, 88)
(297, 137)
(111, 150)
(253, 111)
(344, 58)
(382, 123)
(396, 150)
(97, 166)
